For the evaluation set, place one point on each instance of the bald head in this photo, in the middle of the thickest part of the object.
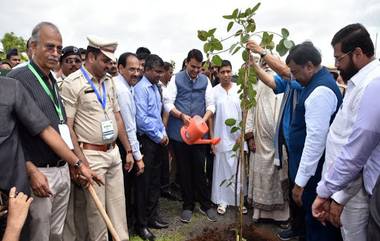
(36, 32)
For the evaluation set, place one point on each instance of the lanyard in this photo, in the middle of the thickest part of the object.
(103, 101)
(57, 106)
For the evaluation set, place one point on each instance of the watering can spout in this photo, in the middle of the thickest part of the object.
(193, 133)
(212, 141)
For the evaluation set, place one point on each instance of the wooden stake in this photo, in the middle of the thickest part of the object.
(103, 213)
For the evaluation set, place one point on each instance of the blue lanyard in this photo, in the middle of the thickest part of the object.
(103, 101)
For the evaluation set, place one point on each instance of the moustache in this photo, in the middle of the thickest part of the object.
(53, 59)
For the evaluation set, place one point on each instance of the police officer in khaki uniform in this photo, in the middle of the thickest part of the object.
(95, 122)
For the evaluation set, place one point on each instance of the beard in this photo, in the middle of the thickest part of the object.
(348, 72)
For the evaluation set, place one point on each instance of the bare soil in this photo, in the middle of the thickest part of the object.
(200, 229)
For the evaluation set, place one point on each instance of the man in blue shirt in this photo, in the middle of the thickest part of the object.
(281, 83)
(152, 136)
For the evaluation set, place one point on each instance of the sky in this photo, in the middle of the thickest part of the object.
(169, 27)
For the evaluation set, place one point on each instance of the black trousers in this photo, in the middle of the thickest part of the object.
(147, 185)
(129, 182)
(191, 166)
(374, 214)
(297, 214)
(165, 175)
(209, 165)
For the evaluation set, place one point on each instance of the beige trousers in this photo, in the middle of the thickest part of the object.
(48, 214)
(109, 167)
(76, 228)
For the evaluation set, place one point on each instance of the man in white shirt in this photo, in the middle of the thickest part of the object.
(315, 110)
(345, 148)
(227, 106)
(189, 93)
(129, 68)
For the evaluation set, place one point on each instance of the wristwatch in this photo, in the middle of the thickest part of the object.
(263, 53)
(78, 164)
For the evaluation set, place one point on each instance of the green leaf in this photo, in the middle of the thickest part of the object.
(236, 147)
(202, 35)
(242, 15)
(251, 91)
(230, 24)
(235, 13)
(252, 79)
(211, 32)
(216, 44)
(228, 17)
(206, 47)
(244, 38)
(271, 45)
(216, 60)
(248, 12)
(265, 39)
(251, 27)
(245, 55)
(236, 50)
(239, 81)
(233, 47)
(230, 122)
(235, 129)
(265, 35)
(281, 49)
(255, 7)
(270, 39)
(238, 32)
(284, 33)
(288, 44)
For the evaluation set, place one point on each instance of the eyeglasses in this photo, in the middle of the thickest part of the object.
(132, 70)
(52, 47)
(73, 61)
(338, 59)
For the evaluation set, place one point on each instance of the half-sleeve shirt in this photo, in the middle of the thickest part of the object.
(82, 104)
(35, 149)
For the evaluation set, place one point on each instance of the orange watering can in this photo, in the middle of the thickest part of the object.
(193, 133)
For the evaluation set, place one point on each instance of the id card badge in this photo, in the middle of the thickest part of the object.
(65, 134)
(107, 130)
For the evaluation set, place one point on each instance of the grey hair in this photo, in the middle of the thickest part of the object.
(37, 29)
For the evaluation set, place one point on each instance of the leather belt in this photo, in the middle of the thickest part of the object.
(96, 147)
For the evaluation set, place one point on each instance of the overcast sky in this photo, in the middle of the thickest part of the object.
(169, 27)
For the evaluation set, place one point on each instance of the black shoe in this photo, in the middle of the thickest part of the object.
(145, 234)
(158, 224)
(289, 234)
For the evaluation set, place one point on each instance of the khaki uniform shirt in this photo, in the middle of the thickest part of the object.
(82, 104)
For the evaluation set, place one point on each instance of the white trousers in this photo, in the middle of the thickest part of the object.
(354, 217)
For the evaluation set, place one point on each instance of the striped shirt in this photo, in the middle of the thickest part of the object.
(35, 148)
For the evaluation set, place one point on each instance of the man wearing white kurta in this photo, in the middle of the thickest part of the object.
(227, 103)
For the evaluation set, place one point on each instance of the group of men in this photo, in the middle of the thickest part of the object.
(62, 102)
(71, 120)
(330, 143)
